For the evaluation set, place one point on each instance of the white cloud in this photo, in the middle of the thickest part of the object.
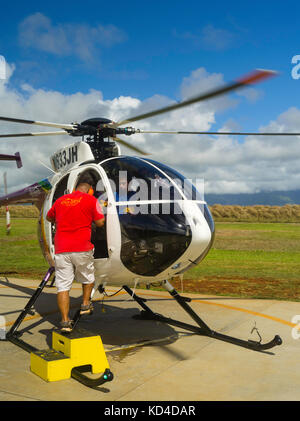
(209, 38)
(251, 94)
(216, 38)
(226, 165)
(200, 81)
(81, 40)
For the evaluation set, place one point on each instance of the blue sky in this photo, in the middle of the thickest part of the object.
(159, 43)
(139, 49)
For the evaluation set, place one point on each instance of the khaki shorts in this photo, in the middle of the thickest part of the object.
(77, 266)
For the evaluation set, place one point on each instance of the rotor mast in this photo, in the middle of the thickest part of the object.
(102, 137)
(99, 136)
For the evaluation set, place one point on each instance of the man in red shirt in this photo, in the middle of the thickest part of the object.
(73, 215)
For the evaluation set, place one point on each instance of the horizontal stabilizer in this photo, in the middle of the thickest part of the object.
(34, 194)
(16, 157)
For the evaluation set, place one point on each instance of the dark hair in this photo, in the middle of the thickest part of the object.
(86, 179)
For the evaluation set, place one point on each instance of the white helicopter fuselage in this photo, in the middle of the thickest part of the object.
(126, 248)
(141, 246)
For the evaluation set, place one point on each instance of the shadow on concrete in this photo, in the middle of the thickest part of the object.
(114, 324)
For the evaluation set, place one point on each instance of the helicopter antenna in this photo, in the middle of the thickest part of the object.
(50, 169)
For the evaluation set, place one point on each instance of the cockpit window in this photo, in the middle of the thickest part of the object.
(156, 233)
(134, 179)
(189, 190)
(185, 184)
(151, 243)
(60, 188)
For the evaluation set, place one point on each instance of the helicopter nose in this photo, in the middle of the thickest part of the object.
(203, 239)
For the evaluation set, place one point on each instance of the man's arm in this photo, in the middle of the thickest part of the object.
(98, 215)
(99, 223)
(51, 215)
(52, 220)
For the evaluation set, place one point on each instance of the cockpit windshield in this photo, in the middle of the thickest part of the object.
(154, 229)
(185, 184)
(134, 179)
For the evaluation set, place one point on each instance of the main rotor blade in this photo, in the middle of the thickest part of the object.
(128, 145)
(221, 133)
(38, 123)
(33, 134)
(253, 77)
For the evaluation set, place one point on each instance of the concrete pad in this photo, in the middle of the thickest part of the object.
(171, 364)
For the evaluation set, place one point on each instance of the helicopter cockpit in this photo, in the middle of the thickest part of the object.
(154, 229)
(148, 208)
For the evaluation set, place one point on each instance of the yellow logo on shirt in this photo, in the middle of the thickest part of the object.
(71, 202)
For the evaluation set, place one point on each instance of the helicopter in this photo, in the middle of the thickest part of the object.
(140, 242)
(139, 246)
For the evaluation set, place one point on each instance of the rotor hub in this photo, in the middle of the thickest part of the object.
(99, 129)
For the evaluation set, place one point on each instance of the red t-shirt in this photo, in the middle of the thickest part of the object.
(74, 214)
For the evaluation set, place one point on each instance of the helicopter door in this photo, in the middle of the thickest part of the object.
(59, 190)
(99, 235)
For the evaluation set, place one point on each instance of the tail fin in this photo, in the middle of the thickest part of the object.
(18, 160)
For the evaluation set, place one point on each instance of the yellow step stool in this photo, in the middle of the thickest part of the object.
(75, 349)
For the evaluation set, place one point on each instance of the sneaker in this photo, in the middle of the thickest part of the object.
(88, 309)
(66, 327)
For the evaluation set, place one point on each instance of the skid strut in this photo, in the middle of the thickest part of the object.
(14, 336)
(202, 328)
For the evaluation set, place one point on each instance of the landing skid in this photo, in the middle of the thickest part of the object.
(202, 328)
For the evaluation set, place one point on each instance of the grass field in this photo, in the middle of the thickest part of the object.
(20, 253)
(260, 260)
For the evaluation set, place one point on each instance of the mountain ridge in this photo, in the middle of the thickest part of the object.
(267, 198)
